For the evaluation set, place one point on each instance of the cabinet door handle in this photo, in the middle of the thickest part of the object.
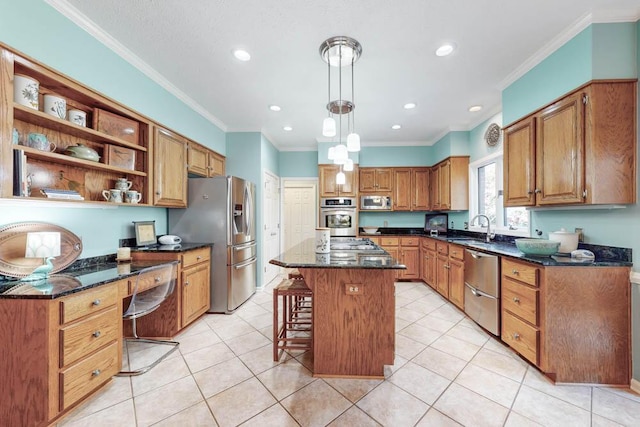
(529, 192)
(96, 372)
(157, 279)
(198, 257)
(537, 191)
(515, 272)
(516, 300)
(516, 336)
(186, 283)
(96, 302)
(96, 334)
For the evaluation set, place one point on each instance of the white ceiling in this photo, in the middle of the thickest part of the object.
(186, 45)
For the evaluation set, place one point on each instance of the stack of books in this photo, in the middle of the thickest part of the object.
(56, 193)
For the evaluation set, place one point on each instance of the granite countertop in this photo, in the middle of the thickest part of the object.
(182, 247)
(303, 256)
(606, 256)
(68, 282)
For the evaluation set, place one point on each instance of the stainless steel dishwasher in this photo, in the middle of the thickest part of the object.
(482, 289)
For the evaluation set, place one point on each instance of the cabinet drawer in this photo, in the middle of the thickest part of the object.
(388, 241)
(520, 336)
(149, 280)
(90, 373)
(88, 335)
(520, 300)
(87, 302)
(442, 248)
(429, 244)
(409, 241)
(519, 271)
(195, 256)
(456, 252)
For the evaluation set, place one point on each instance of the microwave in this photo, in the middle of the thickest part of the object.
(379, 203)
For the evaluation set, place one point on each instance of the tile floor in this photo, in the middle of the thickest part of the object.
(448, 372)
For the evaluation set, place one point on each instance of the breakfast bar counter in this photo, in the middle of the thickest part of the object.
(353, 307)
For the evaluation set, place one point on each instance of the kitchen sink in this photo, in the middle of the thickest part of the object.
(465, 241)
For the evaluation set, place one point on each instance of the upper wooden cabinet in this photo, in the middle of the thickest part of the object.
(204, 162)
(118, 136)
(328, 186)
(169, 169)
(376, 180)
(580, 149)
(449, 182)
(411, 189)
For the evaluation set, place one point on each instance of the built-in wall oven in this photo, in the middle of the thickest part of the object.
(339, 214)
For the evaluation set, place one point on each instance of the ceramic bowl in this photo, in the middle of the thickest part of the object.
(83, 152)
(540, 247)
(370, 230)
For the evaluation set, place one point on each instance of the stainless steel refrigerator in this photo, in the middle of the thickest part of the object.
(222, 210)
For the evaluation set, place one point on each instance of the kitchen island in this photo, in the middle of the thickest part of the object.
(353, 306)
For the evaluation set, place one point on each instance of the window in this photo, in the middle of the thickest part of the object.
(485, 195)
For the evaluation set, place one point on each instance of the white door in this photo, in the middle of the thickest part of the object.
(299, 212)
(271, 196)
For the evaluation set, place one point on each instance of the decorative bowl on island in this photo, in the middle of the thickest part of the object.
(539, 247)
(370, 230)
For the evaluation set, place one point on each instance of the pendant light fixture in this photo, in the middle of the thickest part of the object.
(338, 52)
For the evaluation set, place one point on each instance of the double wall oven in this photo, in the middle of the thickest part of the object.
(339, 214)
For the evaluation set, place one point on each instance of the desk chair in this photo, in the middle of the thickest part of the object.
(152, 286)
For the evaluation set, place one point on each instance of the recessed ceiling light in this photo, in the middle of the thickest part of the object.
(409, 105)
(396, 127)
(475, 108)
(445, 49)
(274, 108)
(288, 128)
(242, 55)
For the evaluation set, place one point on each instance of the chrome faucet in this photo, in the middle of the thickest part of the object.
(490, 235)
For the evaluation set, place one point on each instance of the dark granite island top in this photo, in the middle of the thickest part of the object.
(353, 308)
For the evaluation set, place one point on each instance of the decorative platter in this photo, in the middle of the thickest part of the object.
(492, 135)
(13, 240)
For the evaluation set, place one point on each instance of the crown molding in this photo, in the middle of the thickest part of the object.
(81, 20)
(612, 16)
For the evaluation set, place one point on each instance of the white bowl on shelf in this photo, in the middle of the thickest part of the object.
(370, 230)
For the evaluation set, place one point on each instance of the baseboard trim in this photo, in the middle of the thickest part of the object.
(635, 385)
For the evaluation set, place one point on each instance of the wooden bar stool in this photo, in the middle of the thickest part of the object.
(292, 328)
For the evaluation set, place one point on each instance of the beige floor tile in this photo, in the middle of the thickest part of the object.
(448, 312)
(305, 358)
(115, 391)
(317, 404)
(391, 406)
(246, 343)
(198, 415)
(261, 359)
(351, 388)
(436, 323)
(208, 356)
(598, 421)
(408, 348)
(197, 341)
(165, 372)
(273, 416)
(517, 420)
(154, 405)
(222, 376)
(468, 334)
(627, 393)
(493, 386)
(139, 354)
(196, 327)
(575, 394)
(456, 347)
(414, 293)
(440, 362)
(286, 378)
(616, 407)
(240, 403)
(402, 301)
(261, 321)
(510, 366)
(398, 363)
(422, 383)
(121, 415)
(548, 410)
(469, 408)
(229, 330)
(434, 418)
(408, 315)
(354, 417)
(426, 305)
(400, 324)
(497, 346)
(421, 334)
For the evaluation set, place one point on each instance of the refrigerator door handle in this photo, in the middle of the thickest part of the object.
(244, 246)
(249, 208)
(244, 264)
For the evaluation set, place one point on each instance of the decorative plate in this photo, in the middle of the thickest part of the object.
(492, 135)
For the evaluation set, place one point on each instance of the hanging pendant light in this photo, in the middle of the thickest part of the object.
(348, 166)
(340, 155)
(329, 127)
(332, 153)
(353, 139)
(353, 142)
(341, 178)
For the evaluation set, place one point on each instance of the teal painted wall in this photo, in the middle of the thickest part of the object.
(298, 164)
(93, 64)
(478, 148)
(614, 53)
(395, 156)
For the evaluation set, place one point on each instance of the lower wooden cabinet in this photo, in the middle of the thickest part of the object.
(196, 290)
(407, 251)
(428, 260)
(456, 276)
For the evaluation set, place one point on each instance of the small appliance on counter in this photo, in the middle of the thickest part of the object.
(436, 224)
(169, 239)
(568, 241)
